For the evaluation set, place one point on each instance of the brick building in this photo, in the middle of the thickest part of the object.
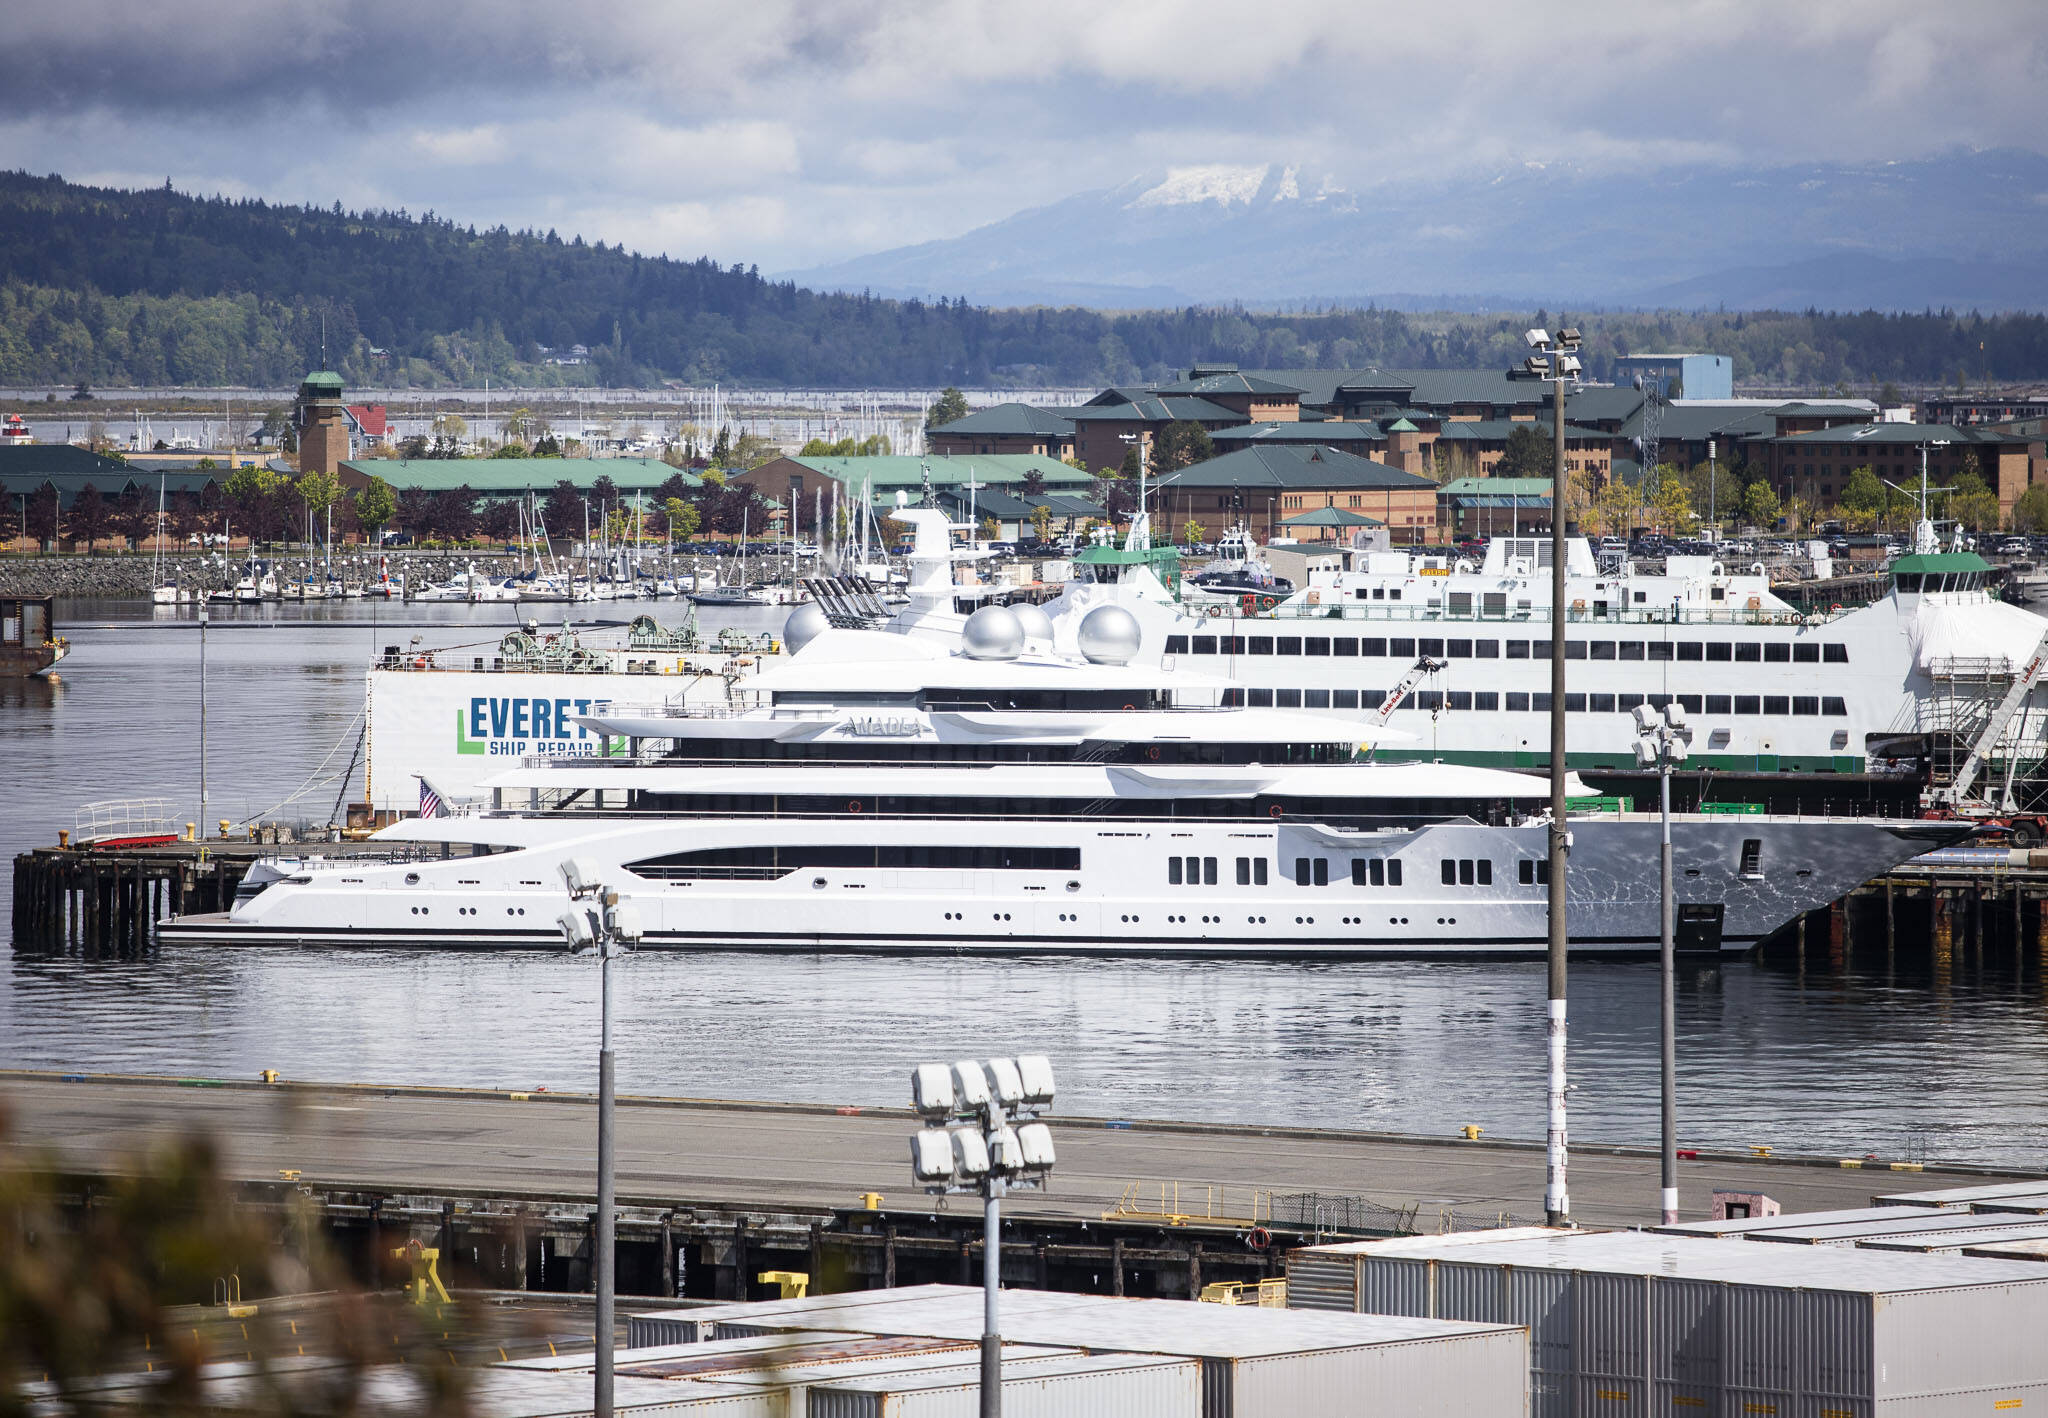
(1816, 465)
(322, 423)
(1265, 485)
(1005, 428)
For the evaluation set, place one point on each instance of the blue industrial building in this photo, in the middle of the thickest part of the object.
(1699, 376)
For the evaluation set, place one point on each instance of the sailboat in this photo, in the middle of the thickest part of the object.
(164, 588)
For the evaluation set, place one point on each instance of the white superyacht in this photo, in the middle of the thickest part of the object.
(878, 791)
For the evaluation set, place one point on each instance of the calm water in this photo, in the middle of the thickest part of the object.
(1816, 1056)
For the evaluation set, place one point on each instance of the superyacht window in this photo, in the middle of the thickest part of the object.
(1806, 653)
(1344, 645)
(1777, 652)
(1372, 645)
(1204, 645)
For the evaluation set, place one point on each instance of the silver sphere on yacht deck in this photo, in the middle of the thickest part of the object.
(804, 625)
(993, 633)
(1037, 624)
(1109, 635)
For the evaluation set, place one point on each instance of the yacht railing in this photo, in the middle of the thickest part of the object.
(1632, 615)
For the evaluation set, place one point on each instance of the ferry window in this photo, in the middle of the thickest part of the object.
(1288, 645)
(1259, 699)
(1459, 604)
(1450, 872)
(1287, 699)
(1344, 645)
(1301, 877)
(1205, 645)
(1258, 871)
(1261, 644)
(1458, 699)
(1602, 649)
(1518, 649)
(1401, 648)
(1718, 650)
(1208, 871)
(1835, 654)
(1518, 702)
(1692, 704)
(1486, 649)
(1393, 593)
(1778, 652)
(1805, 704)
(1493, 605)
(1486, 701)
(1746, 704)
(1244, 871)
(1659, 649)
(1372, 645)
(1429, 699)
(1430, 646)
(1233, 644)
(1627, 702)
(1752, 856)
(1834, 708)
(1540, 702)
(1343, 699)
(1576, 650)
(1316, 645)
(1602, 703)
(1393, 871)
(1315, 699)
(1806, 653)
(1642, 596)
(1233, 698)
(1363, 594)
(1173, 871)
(1574, 703)
(1907, 581)
(1539, 649)
(1777, 704)
(1629, 650)
(1748, 651)
(1458, 649)
(1176, 645)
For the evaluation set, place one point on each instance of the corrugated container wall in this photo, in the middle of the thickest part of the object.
(1940, 1341)
(1322, 1281)
(1109, 1386)
(1484, 1376)
(646, 1331)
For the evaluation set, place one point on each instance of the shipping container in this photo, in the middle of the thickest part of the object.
(1254, 1360)
(1965, 1196)
(1787, 1221)
(1964, 1242)
(1113, 1385)
(1900, 1223)
(691, 1325)
(1796, 1328)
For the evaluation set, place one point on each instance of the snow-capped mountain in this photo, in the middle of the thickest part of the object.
(1961, 229)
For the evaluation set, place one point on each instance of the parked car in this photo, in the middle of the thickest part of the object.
(2015, 546)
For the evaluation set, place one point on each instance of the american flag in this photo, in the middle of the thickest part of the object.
(430, 801)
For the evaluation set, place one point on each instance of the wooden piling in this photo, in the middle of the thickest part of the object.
(1116, 1265)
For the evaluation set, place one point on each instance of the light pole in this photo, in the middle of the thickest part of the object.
(1556, 363)
(982, 1134)
(1663, 740)
(604, 928)
(201, 819)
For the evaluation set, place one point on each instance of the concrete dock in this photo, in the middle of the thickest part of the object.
(782, 1156)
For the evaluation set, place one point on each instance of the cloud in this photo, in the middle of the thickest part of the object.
(792, 132)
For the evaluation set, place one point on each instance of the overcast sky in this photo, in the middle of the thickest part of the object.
(793, 133)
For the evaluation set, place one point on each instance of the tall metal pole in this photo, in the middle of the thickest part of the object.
(1668, 1023)
(202, 722)
(605, 1246)
(1557, 1210)
(991, 1285)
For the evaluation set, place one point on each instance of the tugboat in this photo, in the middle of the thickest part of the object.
(27, 644)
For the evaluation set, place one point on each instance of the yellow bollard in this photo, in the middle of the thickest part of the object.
(269, 1075)
(63, 838)
(191, 831)
(1471, 1132)
(871, 1201)
(224, 825)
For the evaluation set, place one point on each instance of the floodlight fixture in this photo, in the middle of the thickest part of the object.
(1569, 336)
(970, 1154)
(1646, 718)
(579, 874)
(1537, 365)
(1035, 1142)
(1570, 363)
(931, 1157)
(1036, 1072)
(931, 1090)
(1005, 1153)
(1674, 714)
(1537, 338)
(1005, 1082)
(1646, 753)
(575, 926)
(623, 918)
(1676, 751)
(971, 1086)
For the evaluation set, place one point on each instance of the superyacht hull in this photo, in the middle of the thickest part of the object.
(1231, 889)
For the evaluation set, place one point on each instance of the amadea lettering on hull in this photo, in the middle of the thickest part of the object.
(514, 726)
(883, 726)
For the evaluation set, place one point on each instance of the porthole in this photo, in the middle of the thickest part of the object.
(818, 882)
(412, 878)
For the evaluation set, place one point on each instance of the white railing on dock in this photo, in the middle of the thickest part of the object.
(117, 819)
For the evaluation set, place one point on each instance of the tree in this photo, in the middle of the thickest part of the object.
(1181, 444)
(44, 515)
(1529, 454)
(1889, 396)
(277, 422)
(683, 519)
(374, 506)
(751, 450)
(949, 407)
(135, 516)
(318, 491)
(2030, 513)
(991, 530)
(1970, 501)
(1194, 532)
(1133, 464)
(1865, 500)
(88, 520)
(721, 451)
(450, 429)
(1760, 505)
(1714, 485)
(1670, 508)
(1041, 522)
(1033, 484)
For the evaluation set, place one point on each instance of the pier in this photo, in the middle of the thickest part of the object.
(714, 1193)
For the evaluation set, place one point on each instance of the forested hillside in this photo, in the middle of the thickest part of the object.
(148, 288)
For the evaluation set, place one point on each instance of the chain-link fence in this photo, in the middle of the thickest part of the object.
(1327, 1214)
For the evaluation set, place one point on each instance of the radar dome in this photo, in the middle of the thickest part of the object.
(1109, 635)
(804, 625)
(993, 633)
(1037, 624)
